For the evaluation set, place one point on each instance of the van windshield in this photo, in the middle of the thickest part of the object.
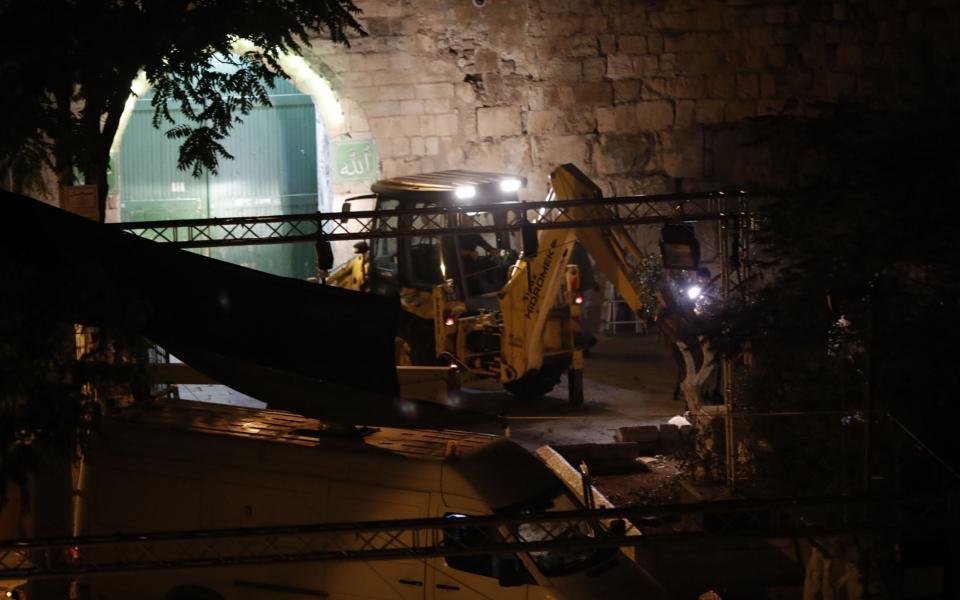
(555, 563)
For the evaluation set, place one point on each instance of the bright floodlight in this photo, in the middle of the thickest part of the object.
(465, 192)
(509, 185)
(693, 292)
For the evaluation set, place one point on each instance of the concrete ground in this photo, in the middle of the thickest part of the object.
(628, 380)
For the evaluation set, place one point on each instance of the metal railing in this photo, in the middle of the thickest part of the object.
(423, 538)
(436, 220)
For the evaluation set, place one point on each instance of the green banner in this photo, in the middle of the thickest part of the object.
(354, 160)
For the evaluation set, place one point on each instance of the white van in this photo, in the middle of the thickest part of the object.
(181, 466)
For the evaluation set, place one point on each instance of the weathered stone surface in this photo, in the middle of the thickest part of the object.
(526, 86)
(434, 90)
(389, 127)
(683, 152)
(618, 119)
(497, 121)
(542, 121)
(708, 111)
(624, 153)
(655, 115)
(557, 150)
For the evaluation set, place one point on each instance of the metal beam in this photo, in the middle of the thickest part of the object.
(436, 220)
(425, 538)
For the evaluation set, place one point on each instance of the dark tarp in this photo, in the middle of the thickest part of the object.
(320, 351)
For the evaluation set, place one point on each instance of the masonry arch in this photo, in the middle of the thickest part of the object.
(211, 197)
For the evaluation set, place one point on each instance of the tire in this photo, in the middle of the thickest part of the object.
(537, 384)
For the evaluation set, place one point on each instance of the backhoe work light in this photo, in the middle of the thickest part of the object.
(679, 247)
(465, 192)
(508, 186)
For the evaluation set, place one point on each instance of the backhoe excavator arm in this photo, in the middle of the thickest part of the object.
(530, 295)
(610, 247)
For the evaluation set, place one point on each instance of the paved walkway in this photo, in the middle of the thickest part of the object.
(628, 380)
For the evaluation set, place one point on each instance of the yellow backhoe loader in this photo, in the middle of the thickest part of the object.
(501, 302)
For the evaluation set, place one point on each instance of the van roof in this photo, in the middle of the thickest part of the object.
(289, 428)
(500, 471)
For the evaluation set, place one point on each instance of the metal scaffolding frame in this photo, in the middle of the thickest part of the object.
(435, 537)
(436, 220)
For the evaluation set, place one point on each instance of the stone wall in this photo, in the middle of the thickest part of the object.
(633, 92)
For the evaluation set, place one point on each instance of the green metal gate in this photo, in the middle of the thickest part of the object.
(274, 171)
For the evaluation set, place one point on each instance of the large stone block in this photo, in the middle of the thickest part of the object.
(447, 125)
(669, 435)
(380, 92)
(486, 61)
(698, 63)
(434, 90)
(638, 434)
(618, 119)
(620, 67)
(738, 110)
(848, 56)
(748, 85)
(542, 121)
(390, 127)
(594, 69)
(434, 71)
(632, 44)
(369, 62)
(600, 92)
(721, 86)
(683, 152)
(400, 147)
(579, 119)
(657, 114)
(646, 64)
(382, 109)
(412, 107)
(627, 90)
(683, 86)
(549, 97)
(437, 105)
(685, 110)
(624, 153)
(418, 146)
(606, 119)
(601, 458)
(560, 70)
(498, 121)
(708, 111)
(550, 151)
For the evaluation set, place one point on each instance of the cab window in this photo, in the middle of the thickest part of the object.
(385, 249)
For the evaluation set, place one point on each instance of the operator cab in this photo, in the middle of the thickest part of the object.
(477, 261)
